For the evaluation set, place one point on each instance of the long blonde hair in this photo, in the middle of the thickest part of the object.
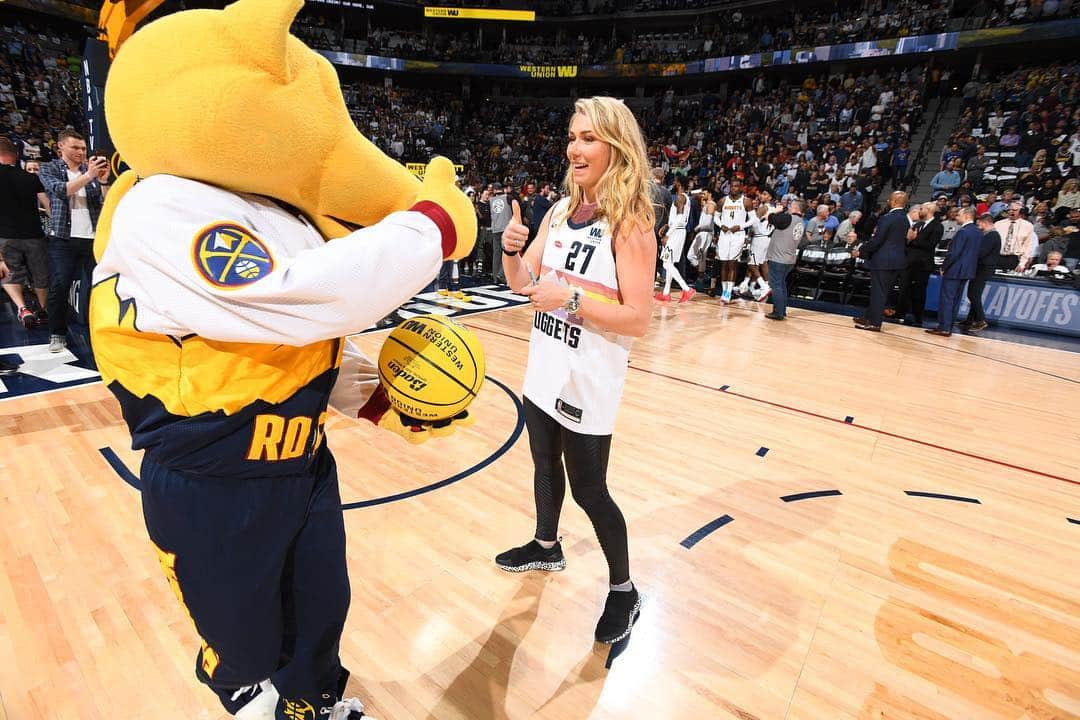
(622, 195)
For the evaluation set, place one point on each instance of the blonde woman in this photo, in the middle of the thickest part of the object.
(674, 240)
(594, 256)
(1068, 196)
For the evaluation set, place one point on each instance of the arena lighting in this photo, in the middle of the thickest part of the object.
(454, 13)
(346, 3)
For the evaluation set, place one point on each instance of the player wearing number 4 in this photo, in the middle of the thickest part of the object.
(595, 257)
(733, 218)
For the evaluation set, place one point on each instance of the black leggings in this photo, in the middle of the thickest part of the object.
(586, 458)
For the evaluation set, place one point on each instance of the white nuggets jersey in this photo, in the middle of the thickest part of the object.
(217, 320)
(760, 226)
(732, 213)
(576, 371)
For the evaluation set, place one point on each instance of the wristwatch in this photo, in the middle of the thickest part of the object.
(574, 303)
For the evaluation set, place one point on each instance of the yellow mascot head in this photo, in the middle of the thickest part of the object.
(229, 97)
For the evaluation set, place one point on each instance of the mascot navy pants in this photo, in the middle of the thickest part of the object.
(259, 565)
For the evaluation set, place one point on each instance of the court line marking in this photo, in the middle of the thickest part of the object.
(705, 530)
(133, 480)
(940, 496)
(809, 495)
(810, 413)
(121, 469)
(518, 428)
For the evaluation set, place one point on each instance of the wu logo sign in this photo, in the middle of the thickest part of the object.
(597, 233)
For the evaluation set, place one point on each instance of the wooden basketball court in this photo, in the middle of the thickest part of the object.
(825, 524)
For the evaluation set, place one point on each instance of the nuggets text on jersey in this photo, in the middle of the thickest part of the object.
(228, 255)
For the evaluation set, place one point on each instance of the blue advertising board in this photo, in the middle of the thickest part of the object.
(1023, 303)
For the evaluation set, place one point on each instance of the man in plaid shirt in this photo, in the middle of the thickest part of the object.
(76, 190)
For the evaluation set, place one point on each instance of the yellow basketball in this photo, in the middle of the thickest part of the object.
(431, 367)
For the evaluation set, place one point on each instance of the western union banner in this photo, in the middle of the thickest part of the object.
(913, 44)
(479, 14)
(418, 169)
(548, 71)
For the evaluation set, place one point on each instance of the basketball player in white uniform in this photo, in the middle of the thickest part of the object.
(595, 257)
(732, 220)
(674, 240)
(703, 233)
(756, 281)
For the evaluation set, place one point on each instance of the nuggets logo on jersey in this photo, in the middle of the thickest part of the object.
(230, 256)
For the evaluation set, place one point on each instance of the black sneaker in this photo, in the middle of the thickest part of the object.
(621, 611)
(532, 556)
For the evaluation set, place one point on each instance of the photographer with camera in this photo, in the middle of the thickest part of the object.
(76, 189)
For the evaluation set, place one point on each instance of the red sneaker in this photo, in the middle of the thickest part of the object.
(687, 294)
(662, 297)
(27, 318)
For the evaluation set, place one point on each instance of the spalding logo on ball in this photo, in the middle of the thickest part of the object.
(431, 368)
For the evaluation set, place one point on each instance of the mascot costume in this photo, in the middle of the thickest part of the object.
(256, 229)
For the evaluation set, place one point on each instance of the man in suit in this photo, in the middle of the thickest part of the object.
(923, 239)
(884, 253)
(959, 267)
(989, 256)
(540, 205)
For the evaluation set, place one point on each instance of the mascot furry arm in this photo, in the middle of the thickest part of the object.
(216, 289)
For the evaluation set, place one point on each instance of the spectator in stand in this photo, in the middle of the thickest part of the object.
(976, 167)
(1019, 244)
(850, 202)
(946, 181)
(950, 224)
(1067, 198)
(22, 244)
(1010, 140)
(816, 226)
(949, 154)
(900, 160)
(847, 232)
(1001, 205)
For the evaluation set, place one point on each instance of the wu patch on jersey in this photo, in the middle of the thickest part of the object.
(228, 255)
